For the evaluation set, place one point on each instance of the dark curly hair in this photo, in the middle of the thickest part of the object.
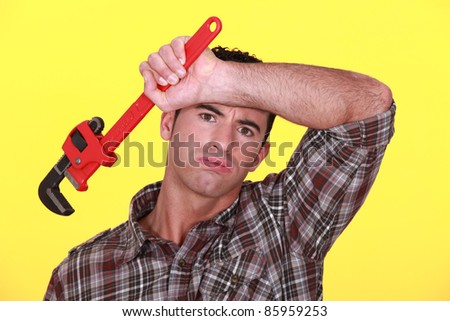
(236, 55)
(226, 54)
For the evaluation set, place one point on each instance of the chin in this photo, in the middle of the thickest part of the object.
(213, 187)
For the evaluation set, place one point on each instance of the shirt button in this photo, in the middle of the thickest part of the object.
(182, 262)
(234, 279)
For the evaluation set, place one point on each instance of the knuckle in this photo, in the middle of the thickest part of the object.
(143, 65)
(153, 57)
(164, 50)
(177, 42)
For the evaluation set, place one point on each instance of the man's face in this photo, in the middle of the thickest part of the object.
(213, 147)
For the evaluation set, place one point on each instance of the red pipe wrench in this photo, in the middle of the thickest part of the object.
(85, 148)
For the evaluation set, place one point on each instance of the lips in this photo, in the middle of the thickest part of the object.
(215, 164)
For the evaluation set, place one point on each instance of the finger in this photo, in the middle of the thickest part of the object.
(151, 89)
(167, 53)
(161, 71)
(178, 45)
(149, 76)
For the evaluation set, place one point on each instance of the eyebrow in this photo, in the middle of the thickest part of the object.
(250, 123)
(210, 108)
(216, 111)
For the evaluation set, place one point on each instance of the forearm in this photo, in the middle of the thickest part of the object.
(312, 96)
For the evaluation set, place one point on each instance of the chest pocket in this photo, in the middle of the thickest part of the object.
(240, 278)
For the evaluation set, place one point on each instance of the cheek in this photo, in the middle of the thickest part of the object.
(246, 154)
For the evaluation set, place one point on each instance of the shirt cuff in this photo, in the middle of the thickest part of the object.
(372, 132)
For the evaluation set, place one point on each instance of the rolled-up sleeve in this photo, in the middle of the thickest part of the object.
(329, 177)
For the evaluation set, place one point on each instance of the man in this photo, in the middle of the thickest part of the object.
(204, 234)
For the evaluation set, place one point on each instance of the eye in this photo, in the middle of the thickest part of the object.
(245, 131)
(207, 117)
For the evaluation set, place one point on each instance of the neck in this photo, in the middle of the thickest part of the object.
(178, 209)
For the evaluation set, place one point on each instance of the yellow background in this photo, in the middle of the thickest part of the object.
(63, 62)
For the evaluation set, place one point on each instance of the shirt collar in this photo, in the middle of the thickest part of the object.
(144, 202)
(226, 217)
(141, 205)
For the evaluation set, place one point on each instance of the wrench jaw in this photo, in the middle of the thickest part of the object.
(49, 192)
(76, 143)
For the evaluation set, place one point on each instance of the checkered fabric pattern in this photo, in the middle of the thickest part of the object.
(270, 244)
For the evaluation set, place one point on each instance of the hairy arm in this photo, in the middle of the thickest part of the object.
(312, 96)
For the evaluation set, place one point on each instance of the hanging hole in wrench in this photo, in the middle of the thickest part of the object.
(212, 26)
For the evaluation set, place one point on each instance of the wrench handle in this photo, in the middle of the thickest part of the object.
(137, 111)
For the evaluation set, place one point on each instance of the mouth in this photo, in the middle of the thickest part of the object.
(216, 164)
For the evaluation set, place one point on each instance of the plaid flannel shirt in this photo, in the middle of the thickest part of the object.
(270, 244)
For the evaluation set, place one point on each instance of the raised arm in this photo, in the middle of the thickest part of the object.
(312, 96)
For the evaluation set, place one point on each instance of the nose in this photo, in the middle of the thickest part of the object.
(222, 141)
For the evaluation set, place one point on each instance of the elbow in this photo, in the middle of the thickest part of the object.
(377, 100)
(384, 98)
